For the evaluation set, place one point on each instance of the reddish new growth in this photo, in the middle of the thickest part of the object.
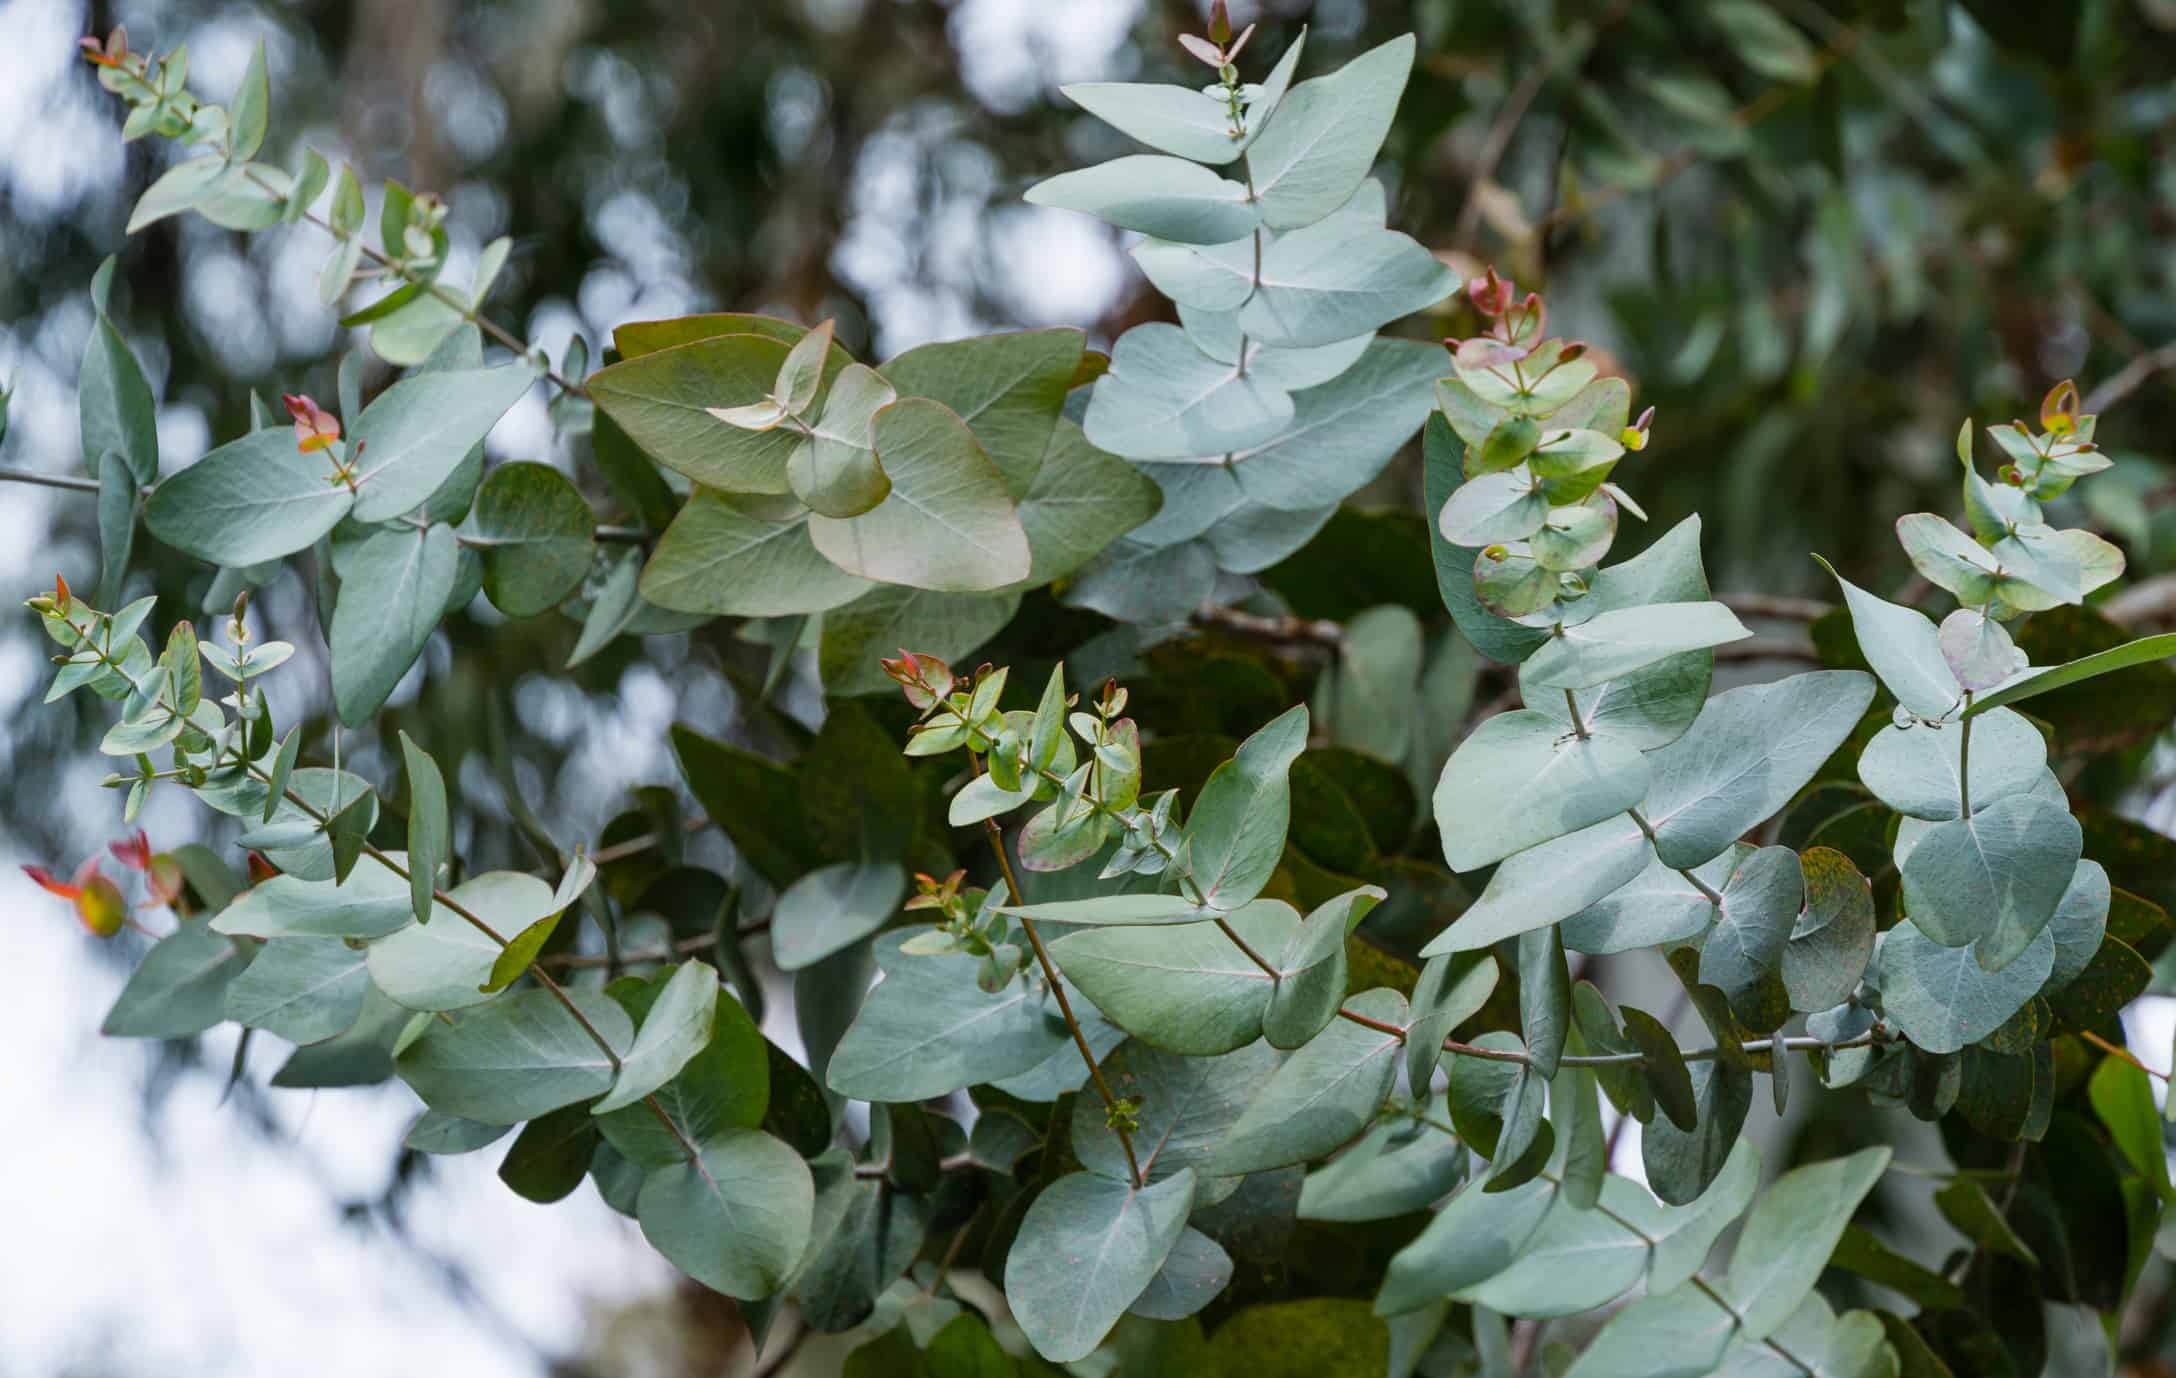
(925, 678)
(1219, 48)
(315, 428)
(98, 901)
(113, 53)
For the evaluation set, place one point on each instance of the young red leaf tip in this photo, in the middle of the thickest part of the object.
(315, 428)
(1231, 54)
(1490, 294)
(2059, 409)
(925, 678)
(1202, 48)
(60, 591)
(133, 852)
(47, 881)
(260, 870)
(1220, 24)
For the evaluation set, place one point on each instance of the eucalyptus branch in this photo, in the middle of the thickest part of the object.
(430, 285)
(1115, 1114)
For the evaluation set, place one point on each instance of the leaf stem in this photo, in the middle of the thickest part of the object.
(1714, 896)
(1579, 726)
(1964, 762)
(1057, 988)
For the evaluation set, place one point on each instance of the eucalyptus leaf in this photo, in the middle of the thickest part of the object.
(929, 1029)
(832, 908)
(1325, 137)
(413, 435)
(249, 501)
(1743, 758)
(1165, 197)
(1086, 1250)
(516, 1058)
(1324, 1094)
(948, 522)
(304, 990)
(737, 1218)
(1519, 780)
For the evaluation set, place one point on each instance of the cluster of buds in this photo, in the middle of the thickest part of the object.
(2045, 465)
(98, 901)
(1514, 351)
(1220, 51)
(967, 921)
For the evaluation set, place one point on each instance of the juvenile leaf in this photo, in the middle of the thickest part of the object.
(372, 903)
(446, 966)
(1571, 875)
(1914, 769)
(1187, 989)
(676, 1029)
(1396, 1168)
(1008, 388)
(179, 989)
(1324, 138)
(1519, 781)
(412, 437)
(719, 556)
(728, 1084)
(1743, 955)
(1194, 1273)
(1942, 998)
(536, 533)
(1682, 1162)
(677, 374)
(394, 586)
(1791, 1233)
(832, 908)
(1165, 398)
(1187, 1105)
(1995, 877)
(1086, 1249)
(736, 1219)
(948, 524)
(516, 1058)
(520, 950)
(1311, 970)
(114, 406)
(1905, 649)
(929, 1029)
(1477, 1235)
(1165, 197)
(1451, 990)
(247, 502)
(1747, 753)
(1338, 279)
(1080, 501)
(430, 832)
(1613, 644)
(1656, 907)
(1323, 1095)
(1833, 940)
(836, 470)
(1545, 999)
(1236, 832)
(304, 990)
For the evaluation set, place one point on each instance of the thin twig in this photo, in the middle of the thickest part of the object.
(1057, 988)
(2129, 379)
(80, 485)
(467, 312)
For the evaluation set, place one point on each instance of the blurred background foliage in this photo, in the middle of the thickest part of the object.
(1815, 234)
